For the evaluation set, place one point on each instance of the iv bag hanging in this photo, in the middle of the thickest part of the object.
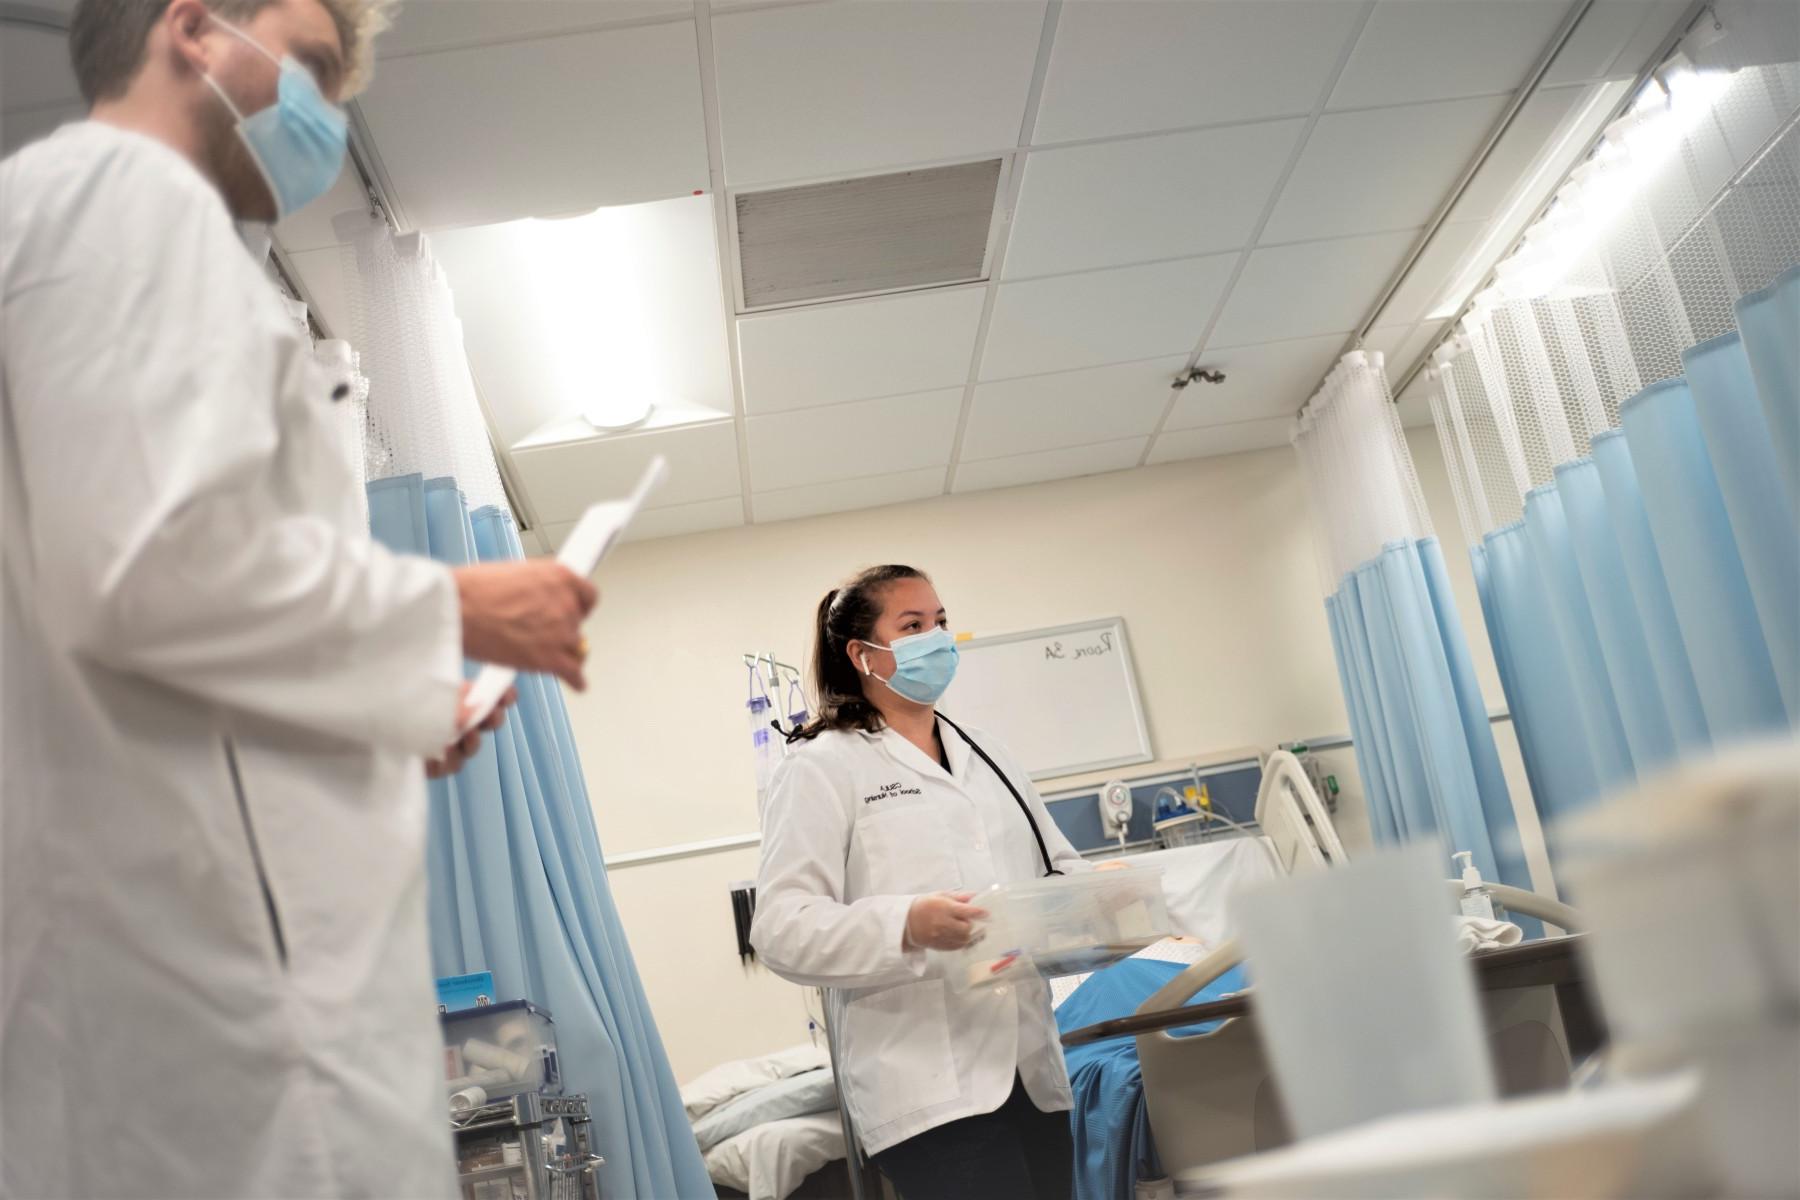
(762, 735)
(796, 705)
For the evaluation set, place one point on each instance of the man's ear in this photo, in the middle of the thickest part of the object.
(187, 23)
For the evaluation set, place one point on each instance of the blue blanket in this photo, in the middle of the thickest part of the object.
(1113, 1148)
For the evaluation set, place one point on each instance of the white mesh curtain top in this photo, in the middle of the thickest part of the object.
(1625, 461)
(423, 414)
(1351, 431)
(1424, 747)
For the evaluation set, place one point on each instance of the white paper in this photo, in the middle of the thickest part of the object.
(596, 533)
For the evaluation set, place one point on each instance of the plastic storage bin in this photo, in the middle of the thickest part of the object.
(499, 1050)
(1064, 925)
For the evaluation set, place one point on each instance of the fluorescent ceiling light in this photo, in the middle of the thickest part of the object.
(594, 324)
(583, 273)
(1636, 149)
(1505, 229)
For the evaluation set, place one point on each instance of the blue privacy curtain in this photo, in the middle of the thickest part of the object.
(1424, 748)
(517, 885)
(1647, 607)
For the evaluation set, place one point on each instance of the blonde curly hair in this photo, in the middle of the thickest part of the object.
(106, 38)
(357, 21)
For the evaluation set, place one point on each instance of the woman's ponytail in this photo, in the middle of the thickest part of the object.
(847, 614)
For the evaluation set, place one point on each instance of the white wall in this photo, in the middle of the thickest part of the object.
(1209, 562)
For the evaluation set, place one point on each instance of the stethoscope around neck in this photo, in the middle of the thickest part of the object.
(1036, 833)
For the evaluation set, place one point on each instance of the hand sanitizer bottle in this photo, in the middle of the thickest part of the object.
(1477, 899)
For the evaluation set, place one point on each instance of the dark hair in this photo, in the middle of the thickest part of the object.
(107, 37)
(848, 614)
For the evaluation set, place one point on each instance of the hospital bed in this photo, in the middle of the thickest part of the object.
(1211, 1096)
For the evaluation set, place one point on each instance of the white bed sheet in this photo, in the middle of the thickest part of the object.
(1197, 880)
(770, 1161)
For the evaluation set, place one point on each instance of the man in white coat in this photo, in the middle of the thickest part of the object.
(214, 978)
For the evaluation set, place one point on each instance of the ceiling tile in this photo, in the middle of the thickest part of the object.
(1415, 50)
(438, 25)
(1260, 381)
(310, 228)
(564, 125)
(1049, 464)
(562, 480)
(827, 90)
(35, 71)
(1211, 440)
(1073, 408)
(19, 128)
(1086, 320)
(1591, 50)
(1438, 267)
(1315, 288)
(1386, 340)
(1169, 64)
(686, 518)
(1657, 20)
(848, 441)
(1389, 168)
(1134, 201)
(869, 491)
(825, 354)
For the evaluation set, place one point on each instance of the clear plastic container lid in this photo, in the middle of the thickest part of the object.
(1062, 925)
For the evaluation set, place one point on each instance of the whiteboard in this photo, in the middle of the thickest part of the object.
(1062, 700)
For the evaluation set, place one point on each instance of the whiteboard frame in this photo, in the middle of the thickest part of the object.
(1116, 626)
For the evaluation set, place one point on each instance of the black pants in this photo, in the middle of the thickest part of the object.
(1015, 1153)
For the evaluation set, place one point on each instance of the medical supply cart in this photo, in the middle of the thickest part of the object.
(527, 1147)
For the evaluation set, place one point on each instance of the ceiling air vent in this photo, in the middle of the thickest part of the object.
(856, 237)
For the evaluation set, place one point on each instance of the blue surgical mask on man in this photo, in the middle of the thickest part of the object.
(924, 665)
(297, 142)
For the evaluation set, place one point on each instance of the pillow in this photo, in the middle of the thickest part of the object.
(733, 1079)
(797, 1096)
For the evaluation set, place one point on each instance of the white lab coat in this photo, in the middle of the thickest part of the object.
(856, 826)
(215, 972)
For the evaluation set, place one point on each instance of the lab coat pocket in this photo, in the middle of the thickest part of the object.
(903, 851)
(897, 1052)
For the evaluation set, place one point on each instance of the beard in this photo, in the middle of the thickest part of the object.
(240, 180)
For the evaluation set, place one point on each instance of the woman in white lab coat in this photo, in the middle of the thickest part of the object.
(882, 824)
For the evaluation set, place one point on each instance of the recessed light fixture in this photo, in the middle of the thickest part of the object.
(617, 414)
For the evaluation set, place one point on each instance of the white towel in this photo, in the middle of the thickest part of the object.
(1479, 933)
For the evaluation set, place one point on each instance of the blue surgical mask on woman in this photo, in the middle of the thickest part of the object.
(297, 142)
(924, 665)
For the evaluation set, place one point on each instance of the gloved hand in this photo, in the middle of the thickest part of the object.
(944, 921)
(526, 615)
